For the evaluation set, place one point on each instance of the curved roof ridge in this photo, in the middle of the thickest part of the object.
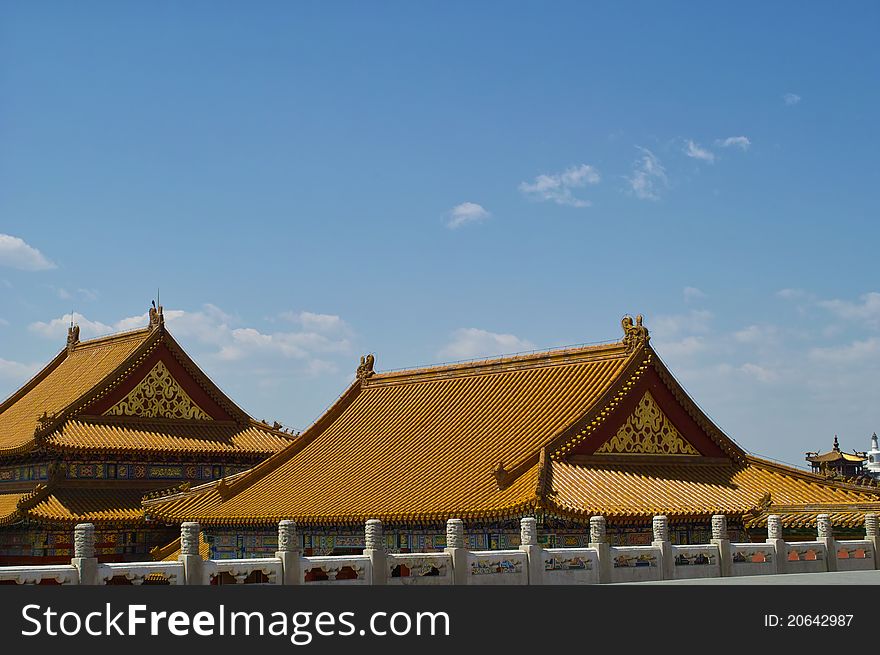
(558, 355)
(114, 336)
(807, 475)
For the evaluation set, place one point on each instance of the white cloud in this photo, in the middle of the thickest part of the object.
(671, 326)
(756, 334)
(693, 293)
(648, 177)
(316, 322)
(868, 310)
(695, 151)
(741, 142)
(791, 294)
(686, 347)
(557, 187)
(465, 213)
(791, 99)
(321, 333)
(856, 352)
(16, 371)
(759, 373)
(15, 253)
(4, 322)
(468, 343)
(84, 294)
(57, 327)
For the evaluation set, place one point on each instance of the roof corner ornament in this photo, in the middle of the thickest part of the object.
(156, 316)
(365, 370)
(634, 335)
(72, 334)
(44, 421)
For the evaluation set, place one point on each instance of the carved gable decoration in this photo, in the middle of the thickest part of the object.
(158, 395)
(647, 431)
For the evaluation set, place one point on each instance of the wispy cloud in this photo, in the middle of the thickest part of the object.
(467, 343)
(867, 309)
(756, 334)
(696, 151)
(791, 99)
(56, 328)
(759, 373)
(741, 142)
(217, 335)
(557, 187)
(323, 323)
(692, 294)
(82, 294)
(466, 213)
(648, 177)
(792, 294)
(15, 253)
(16, 371)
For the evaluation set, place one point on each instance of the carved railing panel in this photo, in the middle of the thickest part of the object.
(337, 570)
(419, 568)
(32, 575)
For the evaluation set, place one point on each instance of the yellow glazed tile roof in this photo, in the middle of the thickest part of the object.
(9, 505)
(420, 445)
(497, 439)
(804, 516)
(634, 490)
(84, 504)
(61, 382)
(71, 381)
(188, 437)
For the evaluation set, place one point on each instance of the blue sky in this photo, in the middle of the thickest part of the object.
(307, 182)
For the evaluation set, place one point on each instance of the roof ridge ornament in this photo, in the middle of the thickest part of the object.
(365, 369)
(634, 335)
(72, 334)
(157, 318)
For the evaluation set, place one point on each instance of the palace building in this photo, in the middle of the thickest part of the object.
(106, 422)
(838, 464)
(561, 435)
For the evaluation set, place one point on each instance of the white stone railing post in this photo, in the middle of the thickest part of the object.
(289, 553)
(826, 536)
(193, 566)
(660, 526)
(528, 543)
(872, 535)
(457, 551)
(375, 550)
(599, 541)
(84, 554)
(774, 539)
(722, 541)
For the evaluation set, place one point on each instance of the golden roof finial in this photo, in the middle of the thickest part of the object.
(365, 369)
(72, 334)
(634, 335)
(156, 316)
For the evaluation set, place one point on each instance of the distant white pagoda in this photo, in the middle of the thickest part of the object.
(874, 458)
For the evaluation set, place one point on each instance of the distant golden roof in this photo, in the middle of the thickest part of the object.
(692, 489)
(9, 505)
(846, 515)
(71, 502)
(591, 430)
(64, 380)
(182, 437)
(106, 395)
